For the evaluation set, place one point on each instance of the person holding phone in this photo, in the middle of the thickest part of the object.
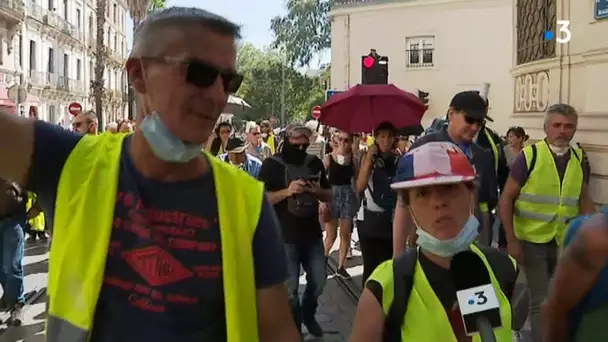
(435, 184)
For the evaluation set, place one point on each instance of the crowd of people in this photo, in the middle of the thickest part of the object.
(190, 230)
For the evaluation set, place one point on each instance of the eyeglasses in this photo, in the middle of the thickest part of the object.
(255, 133)
(203, 75)
(78, 124)
(472, 121)
(225, 131)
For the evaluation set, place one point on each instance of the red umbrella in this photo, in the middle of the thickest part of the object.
(365, 106)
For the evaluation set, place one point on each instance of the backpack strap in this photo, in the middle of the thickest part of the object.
(403, 275)
(533, 161)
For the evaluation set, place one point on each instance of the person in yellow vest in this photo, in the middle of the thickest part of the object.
(547, 187)
(268, 135)
(146, 243)
(436, 185)
(35, 224)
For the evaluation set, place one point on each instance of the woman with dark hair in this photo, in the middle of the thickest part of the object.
(516, 137)
(216, 145)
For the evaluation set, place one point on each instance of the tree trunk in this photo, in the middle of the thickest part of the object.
(100, 63)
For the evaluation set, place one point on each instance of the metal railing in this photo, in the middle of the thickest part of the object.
(36, 11)
(13, 5)
(419, 58)
(37, 78)
(76, 86)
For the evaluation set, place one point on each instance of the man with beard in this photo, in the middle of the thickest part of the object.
(146, 244)
(546, 188)
(296, 182)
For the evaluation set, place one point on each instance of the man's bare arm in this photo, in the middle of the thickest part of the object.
(16, 147)
(575, 275)
(277, 196)
(275, 321)
(505, 211)
(585, 202)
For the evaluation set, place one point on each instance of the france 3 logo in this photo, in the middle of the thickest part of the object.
(563, 35)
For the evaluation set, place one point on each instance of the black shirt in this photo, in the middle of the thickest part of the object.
(295, 229)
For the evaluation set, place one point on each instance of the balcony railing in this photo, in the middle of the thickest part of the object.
(36, 11)
(76, 86)
(15, 6)
(37, 78)
(62, 83)
(419, 58)
(348, 3)
(7, 77)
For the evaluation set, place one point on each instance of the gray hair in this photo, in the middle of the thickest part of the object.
(250, 126)
(561, 109)
(162, 25)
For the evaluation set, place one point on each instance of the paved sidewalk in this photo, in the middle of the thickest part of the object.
(335, 314)
(36, 267)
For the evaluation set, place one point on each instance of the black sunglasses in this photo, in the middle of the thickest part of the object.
(202, 74)
(472, 121)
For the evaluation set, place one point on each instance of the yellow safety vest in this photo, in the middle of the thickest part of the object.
(270, 142)
(544, 205)
(495, 150)
(84, 217)
(37, 223)
(425, 318)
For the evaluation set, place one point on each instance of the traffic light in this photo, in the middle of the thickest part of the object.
(423, 96)
(374, 68)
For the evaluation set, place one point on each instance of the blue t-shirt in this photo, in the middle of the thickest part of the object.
(598, 294)
(163, 276)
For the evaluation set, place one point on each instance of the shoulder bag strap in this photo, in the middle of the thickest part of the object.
(403, 276)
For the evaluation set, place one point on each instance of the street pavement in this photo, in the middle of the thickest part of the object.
(35, 263)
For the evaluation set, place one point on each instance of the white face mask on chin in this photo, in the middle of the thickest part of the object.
(558, 150)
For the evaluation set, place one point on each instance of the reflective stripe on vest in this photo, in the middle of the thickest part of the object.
(495, 150)
(84, 217)
(544, 204)
(425, 318)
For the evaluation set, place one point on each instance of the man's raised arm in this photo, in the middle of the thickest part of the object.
(16, 147)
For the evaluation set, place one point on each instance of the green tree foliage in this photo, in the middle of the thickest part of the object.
(304, 31)
(156, 4)
(262, 86)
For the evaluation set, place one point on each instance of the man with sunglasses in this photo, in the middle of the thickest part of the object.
(466, 117)
(155, 241)
(85, 123)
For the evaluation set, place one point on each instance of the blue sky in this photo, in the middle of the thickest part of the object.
(254, 16)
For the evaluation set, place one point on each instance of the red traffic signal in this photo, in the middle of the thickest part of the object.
(369, 61)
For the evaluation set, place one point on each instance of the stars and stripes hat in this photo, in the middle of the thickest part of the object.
(433, 163)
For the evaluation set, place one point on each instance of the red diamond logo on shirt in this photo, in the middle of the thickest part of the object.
(156, 266)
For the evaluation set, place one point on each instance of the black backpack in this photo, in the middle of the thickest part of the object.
(382, 177)
(305, 204)
(403, 275)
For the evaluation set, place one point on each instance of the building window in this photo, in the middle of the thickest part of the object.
(534, 18)
(91, 71)
(65, 9)
(2, 52)
(419, 51)
(51, 62)
(52, 116)
(78, 19)
(32, 57)
(114, 14)
(78, 69)
(51, 5)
